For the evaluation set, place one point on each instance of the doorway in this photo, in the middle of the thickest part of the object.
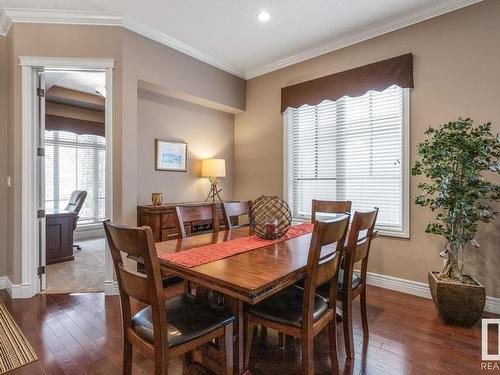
(74, 180)
(67, 175)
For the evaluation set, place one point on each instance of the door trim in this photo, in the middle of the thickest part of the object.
(29, 232)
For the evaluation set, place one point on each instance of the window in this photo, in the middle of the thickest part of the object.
(352, 149)
(75, 162)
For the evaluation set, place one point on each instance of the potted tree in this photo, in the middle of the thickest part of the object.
(457, 158)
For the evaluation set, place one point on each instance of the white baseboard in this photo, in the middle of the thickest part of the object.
(492, 305)
(18, 290)
(81, 234)
(111, 288)
(24, 290)
(419, 289)
(400, 285)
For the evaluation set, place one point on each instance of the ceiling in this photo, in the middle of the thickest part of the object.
(227, 34)
(82, 82)
(86, 82)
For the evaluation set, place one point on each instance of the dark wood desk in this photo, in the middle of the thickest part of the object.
(59, 236)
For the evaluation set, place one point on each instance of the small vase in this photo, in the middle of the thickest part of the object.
(157, 199)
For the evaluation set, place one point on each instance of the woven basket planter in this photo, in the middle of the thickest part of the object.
(270, 217)
(457, 304)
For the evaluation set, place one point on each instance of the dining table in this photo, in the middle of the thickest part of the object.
(244, 278)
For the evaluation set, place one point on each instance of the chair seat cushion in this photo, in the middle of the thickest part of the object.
(285, 307)
(356, 280)
(187, 320)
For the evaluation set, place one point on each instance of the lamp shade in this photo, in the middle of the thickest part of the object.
(213, 168)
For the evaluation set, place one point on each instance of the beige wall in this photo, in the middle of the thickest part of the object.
(457, 73)
(166, 71)
(3, 153)
(209, 133)
(136, 58)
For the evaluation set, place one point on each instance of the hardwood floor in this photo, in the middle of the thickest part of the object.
(80, 334)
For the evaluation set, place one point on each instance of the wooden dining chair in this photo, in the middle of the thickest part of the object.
(329, 207)
(352, 285)
(167, 328)
(234, 209)
(198, 212)
(317, 207)
(301, 312)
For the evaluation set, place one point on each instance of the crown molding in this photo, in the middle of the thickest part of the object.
(409, 19)
(176, 44)
(5, 23)
(73, 17)
(11, 15)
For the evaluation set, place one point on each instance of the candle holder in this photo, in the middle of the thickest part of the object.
(270, 217)
(157, 199)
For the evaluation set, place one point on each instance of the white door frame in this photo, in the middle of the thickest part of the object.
(29, 230)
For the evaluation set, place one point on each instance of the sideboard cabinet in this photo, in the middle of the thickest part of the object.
(162, 221)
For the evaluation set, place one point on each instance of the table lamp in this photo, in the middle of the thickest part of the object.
(213, 169)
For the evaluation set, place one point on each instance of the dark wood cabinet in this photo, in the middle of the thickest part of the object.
(59, 236)
(162, 221)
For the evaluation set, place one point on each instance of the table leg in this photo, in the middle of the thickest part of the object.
(237, 308)
(240, 340)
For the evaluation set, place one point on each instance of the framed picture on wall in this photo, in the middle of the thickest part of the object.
(170, 156)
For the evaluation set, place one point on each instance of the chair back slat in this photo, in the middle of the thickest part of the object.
(200, 212)
(231, 209)
(361, 251)
(132, 241)
(135, 285)
(327, 268)
(329, 207)
(323, 262)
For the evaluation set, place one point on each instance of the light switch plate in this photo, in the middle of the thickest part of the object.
(9, 184)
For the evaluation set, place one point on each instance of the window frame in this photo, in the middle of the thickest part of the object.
(405, 171)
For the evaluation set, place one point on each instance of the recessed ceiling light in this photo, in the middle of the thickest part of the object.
(263, 16)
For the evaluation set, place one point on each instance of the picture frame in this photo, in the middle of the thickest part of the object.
(170, 155)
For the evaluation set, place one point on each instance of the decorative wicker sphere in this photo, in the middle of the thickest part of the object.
(270, 217)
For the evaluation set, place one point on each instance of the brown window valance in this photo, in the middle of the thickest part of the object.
(353, 82)
(53, 122)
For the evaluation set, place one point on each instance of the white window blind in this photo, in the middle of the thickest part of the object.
(351, 149)
(75, 162)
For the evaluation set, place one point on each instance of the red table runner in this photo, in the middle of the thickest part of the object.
(210, 253)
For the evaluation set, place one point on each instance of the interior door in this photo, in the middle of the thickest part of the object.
(40, 166)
